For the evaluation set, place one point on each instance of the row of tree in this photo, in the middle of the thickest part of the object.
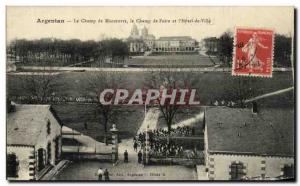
(223, 48)
(64, 51)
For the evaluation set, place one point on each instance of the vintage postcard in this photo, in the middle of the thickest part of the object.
(150, 93)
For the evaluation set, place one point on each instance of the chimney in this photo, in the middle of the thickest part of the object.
(254, 107)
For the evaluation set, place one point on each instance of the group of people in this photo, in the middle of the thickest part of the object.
(140, 156)
(178, 131)
(103, 174)
(158, 143)
(165, 149)
(184, 131)
(224, 103)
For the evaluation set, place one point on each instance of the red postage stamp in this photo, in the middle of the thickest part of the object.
(253, 52)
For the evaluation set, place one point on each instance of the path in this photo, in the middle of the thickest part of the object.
(151, 120)
(190, 121)
(88, 144)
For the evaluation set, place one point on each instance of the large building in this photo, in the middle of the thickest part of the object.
(142, 41)
(175, 44)
(211, 45)
(33, 141)
(249, 144)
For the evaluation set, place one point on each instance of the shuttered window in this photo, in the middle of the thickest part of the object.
(288, 171)
(12, 166)
(237, 171)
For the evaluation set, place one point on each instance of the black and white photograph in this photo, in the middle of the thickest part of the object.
(141, 93)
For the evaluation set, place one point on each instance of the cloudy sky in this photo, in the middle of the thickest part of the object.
(22, 21)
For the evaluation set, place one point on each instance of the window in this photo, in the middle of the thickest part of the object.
(12, 166)
(288, 171)
(48, 127)
(237, 171)
(41, 159)
(49, 153)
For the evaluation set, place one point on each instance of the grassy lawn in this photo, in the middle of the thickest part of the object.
(127, 119)
(210, 86)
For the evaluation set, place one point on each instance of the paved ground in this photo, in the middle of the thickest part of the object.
(86, 170)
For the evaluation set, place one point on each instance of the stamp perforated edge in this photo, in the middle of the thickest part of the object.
(233, 73)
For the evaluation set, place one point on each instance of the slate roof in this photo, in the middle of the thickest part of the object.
(24, 125)
(239, 131)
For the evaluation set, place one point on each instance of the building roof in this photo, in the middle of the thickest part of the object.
(175, 38)
(239, 131)
(24, 125)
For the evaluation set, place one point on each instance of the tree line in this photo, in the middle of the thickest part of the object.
(222, 47)
(64, 52)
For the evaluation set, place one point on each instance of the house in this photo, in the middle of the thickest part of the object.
(243, 143)
(211, 45)
(175, 44)
(33, 141)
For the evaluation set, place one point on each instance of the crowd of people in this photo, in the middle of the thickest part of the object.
(158, 143)
(165, 149)
(174, 132)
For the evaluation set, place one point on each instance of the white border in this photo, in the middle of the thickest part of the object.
(3, 3)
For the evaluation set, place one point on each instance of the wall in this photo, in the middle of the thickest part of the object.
(44, 138)
(25, 157)
(256, 166)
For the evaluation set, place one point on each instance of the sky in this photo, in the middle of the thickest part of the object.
(22, 21)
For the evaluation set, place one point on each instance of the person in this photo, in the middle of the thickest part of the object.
(85, 126)
(126, 156)
(135, 145)
(140, 156)
(100, 173)
(251, 50)
(193, 131)
(106, 175)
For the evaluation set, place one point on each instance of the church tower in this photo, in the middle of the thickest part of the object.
(134, 32)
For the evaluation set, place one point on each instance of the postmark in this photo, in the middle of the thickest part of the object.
(253, 52)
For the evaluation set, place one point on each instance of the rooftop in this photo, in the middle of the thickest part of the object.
(24, 125)
(239, 131)
(175, 38)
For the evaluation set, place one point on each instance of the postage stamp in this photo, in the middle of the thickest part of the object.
(253, 52)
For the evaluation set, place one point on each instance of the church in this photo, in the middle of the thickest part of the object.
(140, 41)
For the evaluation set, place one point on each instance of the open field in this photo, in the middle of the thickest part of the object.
(171, 60)
(183, 61)
(211, 86)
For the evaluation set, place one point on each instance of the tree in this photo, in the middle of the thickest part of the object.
(282, 50)
(225, 48)
(42, 86)
(98, 82)
(170, 80)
